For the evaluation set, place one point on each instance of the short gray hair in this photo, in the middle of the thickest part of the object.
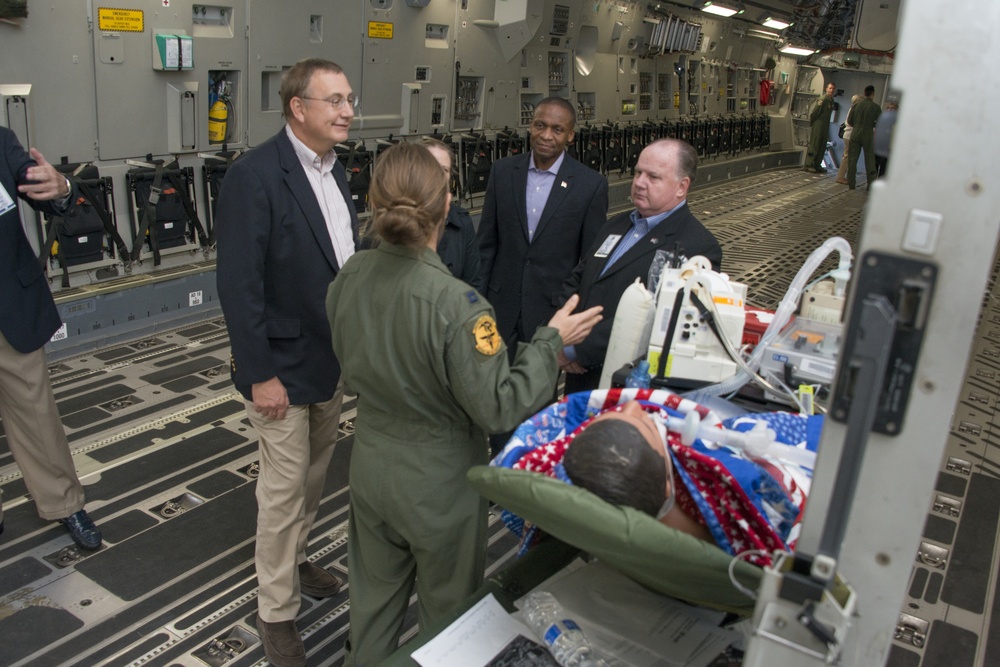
(687, 156)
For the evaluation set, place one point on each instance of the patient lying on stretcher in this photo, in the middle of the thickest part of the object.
(621, 449)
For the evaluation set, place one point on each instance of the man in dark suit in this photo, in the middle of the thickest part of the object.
(285, 227)
(627, 245)
(542, 211)
(28, 318)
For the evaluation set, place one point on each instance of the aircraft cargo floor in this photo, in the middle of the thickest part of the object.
(162, 444)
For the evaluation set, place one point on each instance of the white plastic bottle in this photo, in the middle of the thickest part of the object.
(564, 638)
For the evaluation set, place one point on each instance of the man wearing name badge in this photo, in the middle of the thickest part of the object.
(285, 228)
(626, 247)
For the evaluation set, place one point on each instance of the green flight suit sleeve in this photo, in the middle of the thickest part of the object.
(817, 110)
(497, 395)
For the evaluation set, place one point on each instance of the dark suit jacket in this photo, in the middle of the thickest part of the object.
(681, 229)
(458, 248)
(524, 280)
(28, 315)
(275, 263)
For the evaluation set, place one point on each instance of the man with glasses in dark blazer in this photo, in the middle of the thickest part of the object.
(285, 228)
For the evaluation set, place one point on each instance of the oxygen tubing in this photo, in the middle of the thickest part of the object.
(784, 312)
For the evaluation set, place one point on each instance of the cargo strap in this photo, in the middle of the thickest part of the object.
(150, 214)
(52, 229)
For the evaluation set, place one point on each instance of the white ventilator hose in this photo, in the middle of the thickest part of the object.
(630, 331)
(786, 308)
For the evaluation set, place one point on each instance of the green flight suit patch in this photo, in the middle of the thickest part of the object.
(484, 333)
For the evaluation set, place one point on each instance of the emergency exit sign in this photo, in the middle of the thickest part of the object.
(379, 30)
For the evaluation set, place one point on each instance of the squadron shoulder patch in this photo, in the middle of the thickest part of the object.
(484, 332)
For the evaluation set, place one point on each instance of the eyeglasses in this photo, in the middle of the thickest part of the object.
(337, 101)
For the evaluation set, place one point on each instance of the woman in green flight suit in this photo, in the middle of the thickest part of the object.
(421, 350)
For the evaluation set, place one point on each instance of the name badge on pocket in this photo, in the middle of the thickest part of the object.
(6, 201)
(608, 245)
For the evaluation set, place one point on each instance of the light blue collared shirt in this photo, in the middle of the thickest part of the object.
(540, 182)
(640, 228)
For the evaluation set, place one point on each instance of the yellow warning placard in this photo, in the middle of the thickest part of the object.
(379, 30)
(120, 20)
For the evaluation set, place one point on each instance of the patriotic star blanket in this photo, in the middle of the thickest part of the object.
(746, 503)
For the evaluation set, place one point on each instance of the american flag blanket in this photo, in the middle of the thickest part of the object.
(746, 503)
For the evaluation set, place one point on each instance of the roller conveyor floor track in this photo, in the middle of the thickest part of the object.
(951, 611)
(162, 444)
(161, 441)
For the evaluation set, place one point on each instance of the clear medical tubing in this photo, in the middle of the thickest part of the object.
(787, 307)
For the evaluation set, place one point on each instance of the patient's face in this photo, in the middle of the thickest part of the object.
(633, 413)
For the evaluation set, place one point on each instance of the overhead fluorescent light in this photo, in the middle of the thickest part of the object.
(796, 50)
(776, 24)
(723, 9)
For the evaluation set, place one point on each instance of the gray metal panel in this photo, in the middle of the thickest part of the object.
(391, 63)
(876, 25)
(477, 54)
(281, 34)
(93, 317)
(51, 50)
(140, 109)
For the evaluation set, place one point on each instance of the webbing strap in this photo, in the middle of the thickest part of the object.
(46, 251)
(147, 219)
(188, 208)
(102, 212)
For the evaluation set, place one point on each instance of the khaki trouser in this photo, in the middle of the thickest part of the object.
(295, 453)
(35, 433)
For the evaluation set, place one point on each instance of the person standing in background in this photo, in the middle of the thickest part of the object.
(883, 138)
(541, 212)
(862, 116)
(458, 247)
(819, 132)
(842, 170)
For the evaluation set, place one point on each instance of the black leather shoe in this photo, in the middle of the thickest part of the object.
(282, 643)
(82, 530)
(316, 582)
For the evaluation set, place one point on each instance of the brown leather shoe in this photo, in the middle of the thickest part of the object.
(316, 582)
(282, 643)
(842, 181)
